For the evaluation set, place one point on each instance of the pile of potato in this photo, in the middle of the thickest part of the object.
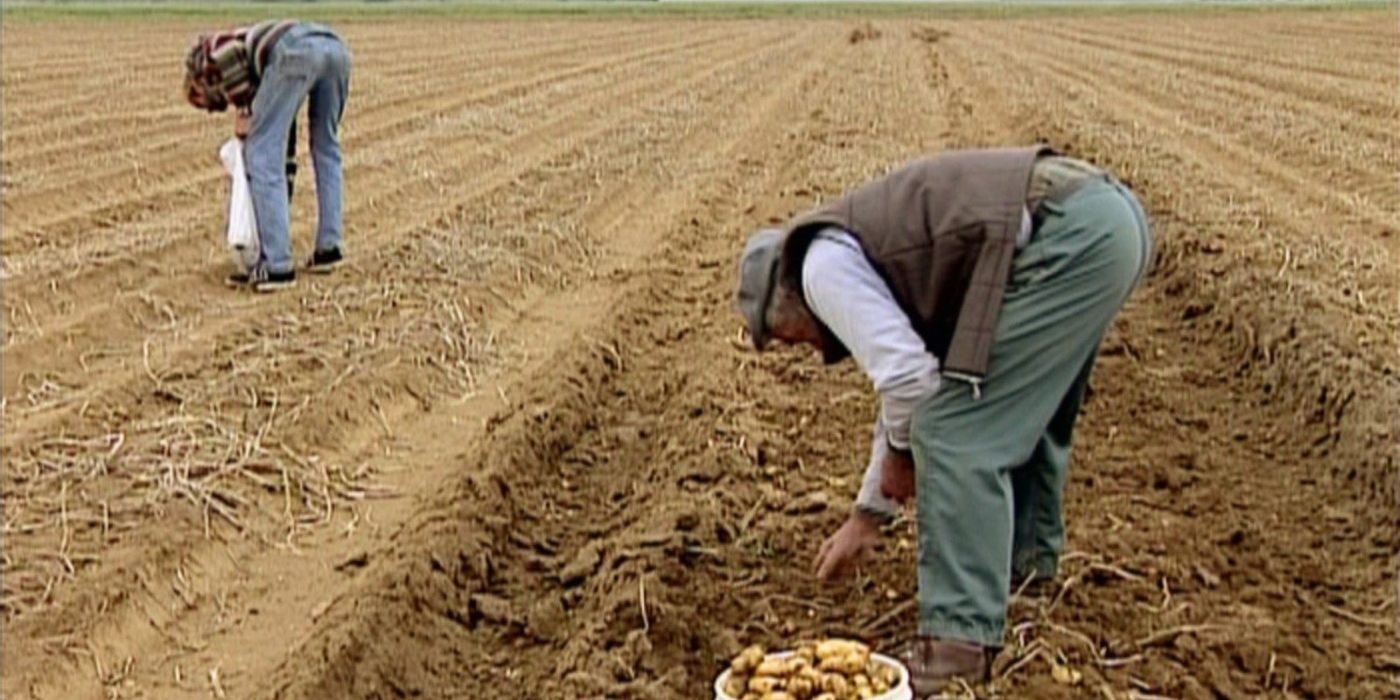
(832, 669)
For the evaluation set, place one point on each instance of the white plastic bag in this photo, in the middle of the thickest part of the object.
(242, 224)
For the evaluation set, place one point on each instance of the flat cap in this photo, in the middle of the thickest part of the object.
(758, 273)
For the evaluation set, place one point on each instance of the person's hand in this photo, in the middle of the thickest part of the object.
(897, 476)
(242, 120)
(858, 535)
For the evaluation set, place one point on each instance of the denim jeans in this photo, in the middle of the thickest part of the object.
(309, 63)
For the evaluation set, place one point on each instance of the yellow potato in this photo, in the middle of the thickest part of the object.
(735, 685)
(799, 687)
(765, 684)
(865, 693)
(860, 680)
(848, 665)
(825, 696)
(839, 647)
(836, 684)
(778, 668)
(888, 674)
(747, 660)
(777, 695)
(807, 652)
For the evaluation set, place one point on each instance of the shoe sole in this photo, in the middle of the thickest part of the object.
(269, 287)
(235, 284)
(324, 268)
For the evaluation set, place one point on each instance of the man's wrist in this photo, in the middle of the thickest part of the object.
(901, 451)
(874, 516)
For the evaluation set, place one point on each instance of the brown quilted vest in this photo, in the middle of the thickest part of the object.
(941, 231)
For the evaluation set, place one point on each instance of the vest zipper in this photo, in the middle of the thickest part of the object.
(975, 381)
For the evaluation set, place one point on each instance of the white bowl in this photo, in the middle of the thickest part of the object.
(900, 691)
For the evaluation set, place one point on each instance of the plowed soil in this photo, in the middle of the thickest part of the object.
(517, 448)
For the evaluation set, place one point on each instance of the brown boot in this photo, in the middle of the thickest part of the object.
(933, 663)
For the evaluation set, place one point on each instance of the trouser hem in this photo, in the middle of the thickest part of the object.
(1041, 565)
(987, 634)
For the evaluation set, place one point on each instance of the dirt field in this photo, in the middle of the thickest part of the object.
(517, 449)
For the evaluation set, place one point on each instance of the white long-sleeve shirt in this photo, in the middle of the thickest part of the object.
(843, 289)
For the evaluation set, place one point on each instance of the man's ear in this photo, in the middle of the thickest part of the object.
(787, 312)
(778, 314)
(193, 94)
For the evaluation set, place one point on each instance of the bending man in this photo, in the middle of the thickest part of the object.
(973, 289)
(266, 71)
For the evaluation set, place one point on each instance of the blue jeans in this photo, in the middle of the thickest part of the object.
(309, 63)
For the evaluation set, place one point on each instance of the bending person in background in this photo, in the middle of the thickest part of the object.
(265, 72)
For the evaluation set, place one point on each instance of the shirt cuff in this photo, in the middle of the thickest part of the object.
(871, 500)
(894, 423)
(901, 446)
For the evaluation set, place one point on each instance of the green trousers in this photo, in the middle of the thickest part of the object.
(991, 469)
